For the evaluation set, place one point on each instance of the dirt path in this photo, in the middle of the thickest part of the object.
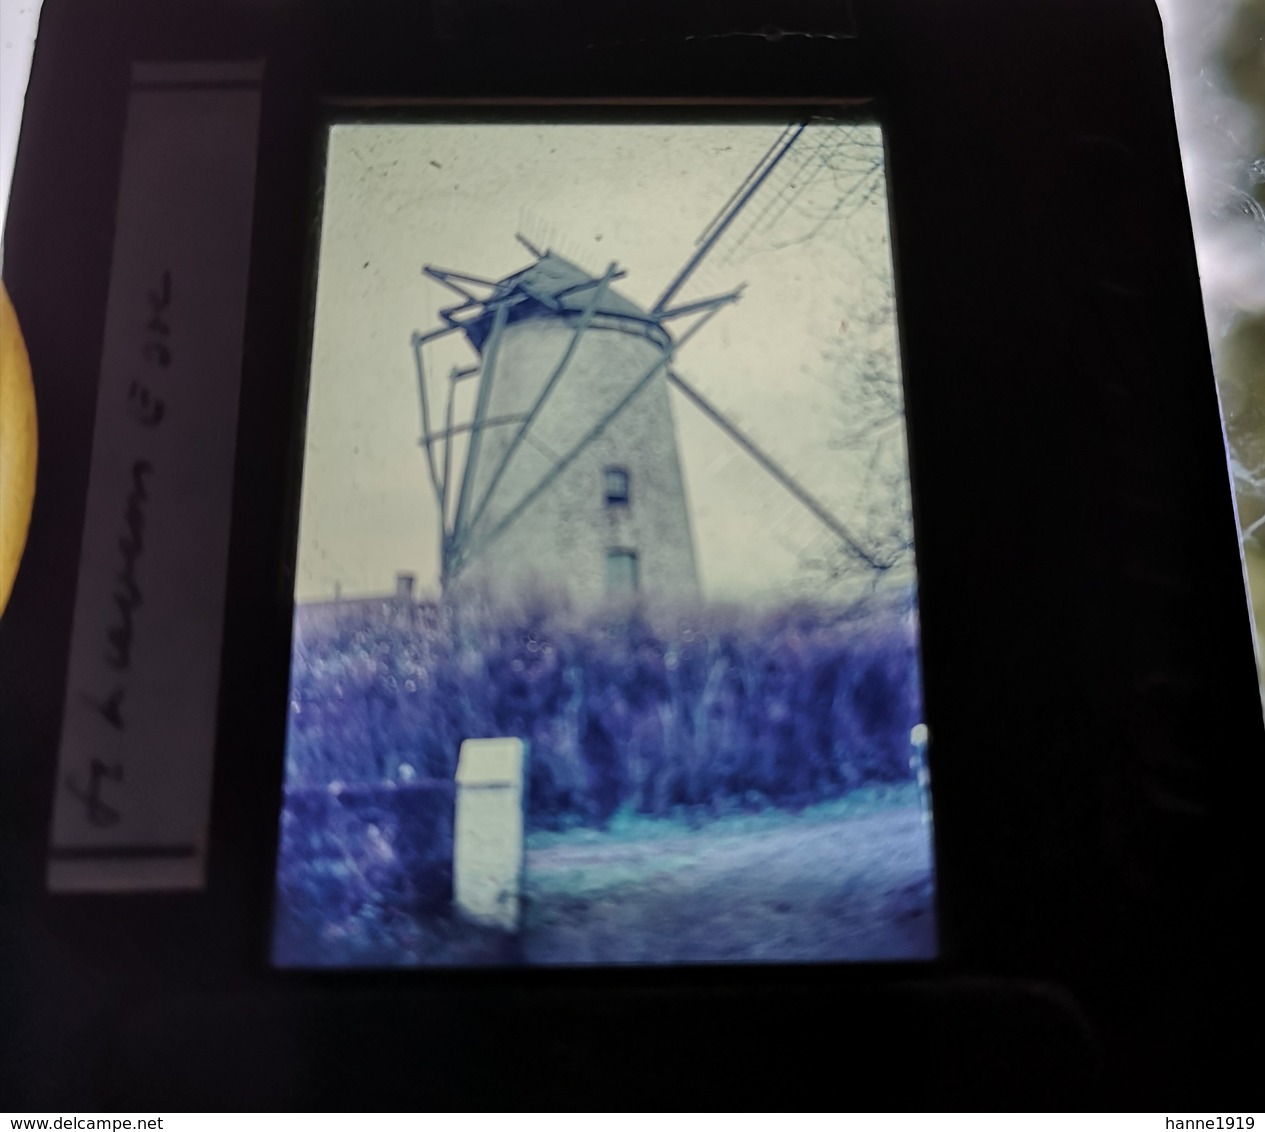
(847, 888)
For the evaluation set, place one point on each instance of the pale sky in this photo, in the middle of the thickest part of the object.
(401, 196)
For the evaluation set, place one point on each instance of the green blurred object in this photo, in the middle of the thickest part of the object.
(1244, 56)
(1240, 367)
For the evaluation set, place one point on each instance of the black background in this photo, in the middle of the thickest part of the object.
(1088, 661)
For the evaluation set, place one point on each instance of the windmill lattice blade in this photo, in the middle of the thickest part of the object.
(779, 473)
(720, 227)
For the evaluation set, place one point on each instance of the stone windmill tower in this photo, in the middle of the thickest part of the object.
(571, 479)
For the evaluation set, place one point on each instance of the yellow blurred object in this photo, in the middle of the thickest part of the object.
(18, 443)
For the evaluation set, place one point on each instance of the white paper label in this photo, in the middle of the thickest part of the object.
(138, 734)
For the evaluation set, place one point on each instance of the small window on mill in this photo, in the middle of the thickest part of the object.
(616, 487)
(621, 572)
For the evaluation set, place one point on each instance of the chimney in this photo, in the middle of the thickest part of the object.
(404, 586)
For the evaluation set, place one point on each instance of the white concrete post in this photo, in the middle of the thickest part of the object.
(488, 838)
(918, 763)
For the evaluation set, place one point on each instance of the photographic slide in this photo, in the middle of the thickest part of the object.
(606, 640)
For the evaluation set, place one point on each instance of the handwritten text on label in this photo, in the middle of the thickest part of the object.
(146, 409)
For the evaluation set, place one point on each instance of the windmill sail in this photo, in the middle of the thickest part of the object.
(813, 173)
(835, 169)
(741, 198)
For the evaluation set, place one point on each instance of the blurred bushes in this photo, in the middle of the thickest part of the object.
(360, 858)
(720, 708)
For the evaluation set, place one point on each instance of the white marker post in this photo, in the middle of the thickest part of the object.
(918, 763)
(488, 848)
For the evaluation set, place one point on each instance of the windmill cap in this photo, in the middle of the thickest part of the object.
(568, 286)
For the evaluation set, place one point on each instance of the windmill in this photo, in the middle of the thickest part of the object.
(571, 472)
